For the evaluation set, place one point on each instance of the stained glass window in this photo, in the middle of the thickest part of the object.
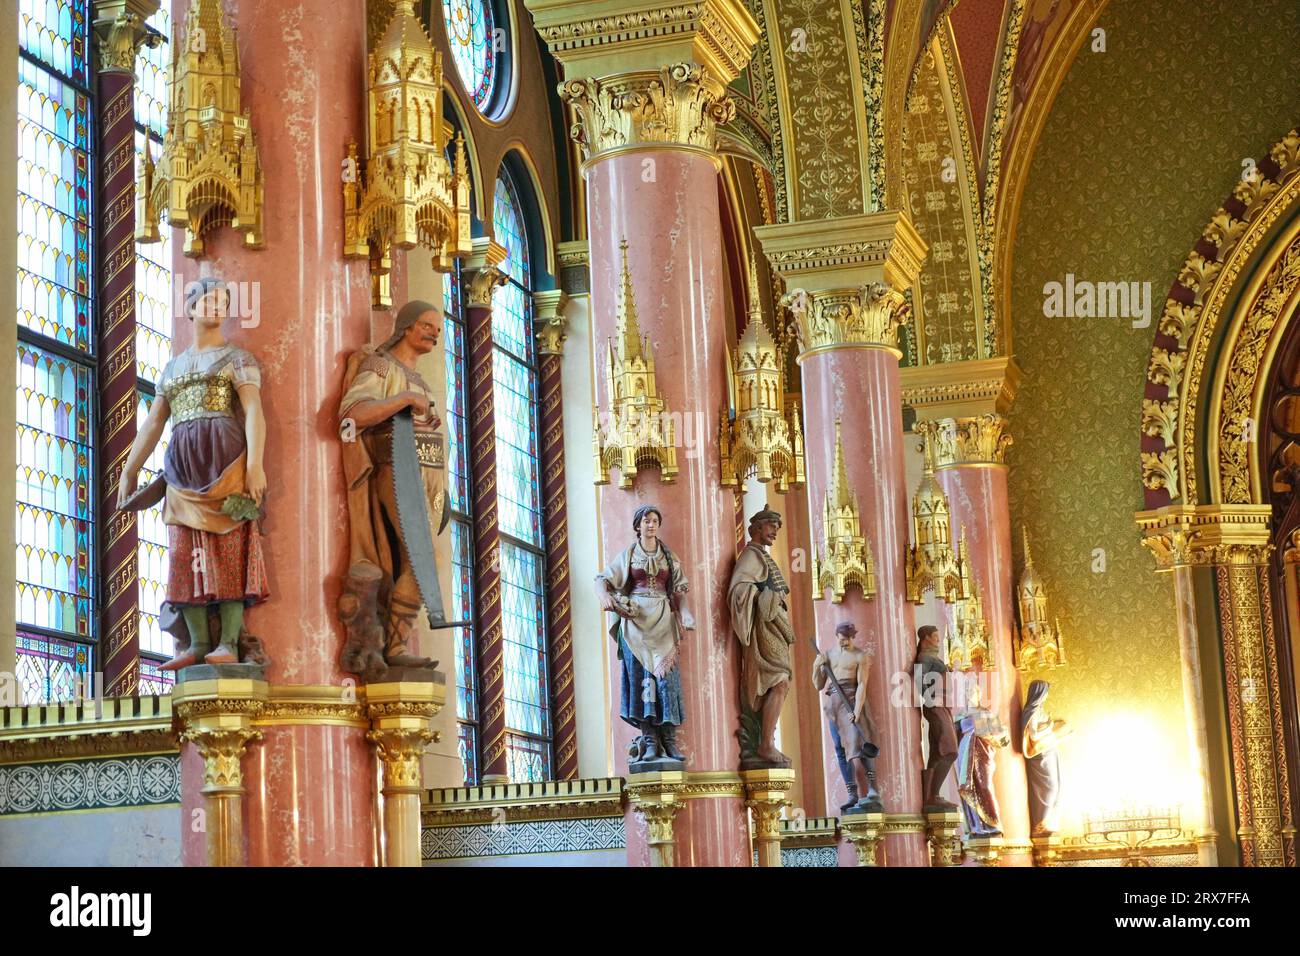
(475, 47)
(522, 559)
(153, 316)
(52, 669)
(55, 546)
(55, 362)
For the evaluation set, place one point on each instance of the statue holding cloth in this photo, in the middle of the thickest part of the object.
(760, 619)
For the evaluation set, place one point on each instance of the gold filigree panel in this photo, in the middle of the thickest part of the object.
(946, 300)
(820, 107)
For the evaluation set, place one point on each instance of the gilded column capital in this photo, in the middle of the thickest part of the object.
(846, 278)
(120, 32)
(943, 831)
(483, 269)
(1186, 535)
(613, 36)
(863, 830)
(976, 441)
(400, 751)
(222, 749)
(549, 324)
(676, 107)
(400, 713)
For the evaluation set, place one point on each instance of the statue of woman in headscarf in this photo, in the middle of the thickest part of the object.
(983, 734)
(1041, 736)
(643, 587)
(213, 478)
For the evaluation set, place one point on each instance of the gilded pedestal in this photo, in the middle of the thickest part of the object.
(657, 797)
(984, 851)
(216, 714)
(767, 793)
(1047, 851)
(400, 714)
(943, 831)
(864, 831)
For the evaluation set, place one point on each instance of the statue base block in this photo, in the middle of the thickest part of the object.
(197, 672)
(411, 675)
(662, 765)
(758, 763)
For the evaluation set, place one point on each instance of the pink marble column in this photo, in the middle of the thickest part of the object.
(311, 784)
(859, 387)
(674, 235)
(977, 497)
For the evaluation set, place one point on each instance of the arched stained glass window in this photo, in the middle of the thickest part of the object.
(55, 364)
(519, 512)
(475, 47)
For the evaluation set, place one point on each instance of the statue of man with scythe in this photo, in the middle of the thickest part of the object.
(393, 460)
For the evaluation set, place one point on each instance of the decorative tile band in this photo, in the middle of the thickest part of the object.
(70, 785)
(523, 838)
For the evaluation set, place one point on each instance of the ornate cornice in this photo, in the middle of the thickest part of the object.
(815, 255)
(679, 106)
(1188, 535)
(550, 800)
(961, 389)
(612, 35)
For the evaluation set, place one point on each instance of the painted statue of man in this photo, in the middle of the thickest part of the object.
(849, 717)
(760, 619)
(938, 715)
(393, 460)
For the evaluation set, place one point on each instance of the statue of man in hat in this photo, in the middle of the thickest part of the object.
(393, 460)
(760, 619)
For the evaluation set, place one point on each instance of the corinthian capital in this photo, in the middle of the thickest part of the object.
(679, 106)
(868, 316)
(120, 31)
(973, 440)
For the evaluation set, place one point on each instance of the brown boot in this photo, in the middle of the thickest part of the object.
(400, 631)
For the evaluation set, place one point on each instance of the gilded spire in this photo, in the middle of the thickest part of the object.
(628, 326)
(840, 494)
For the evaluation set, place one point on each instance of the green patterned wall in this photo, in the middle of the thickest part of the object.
(1144, 142)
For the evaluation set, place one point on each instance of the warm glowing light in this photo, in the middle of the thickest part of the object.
(1121, 760)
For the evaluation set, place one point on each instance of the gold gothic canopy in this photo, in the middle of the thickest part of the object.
(760, 435)
(845, 556)
(640, 430)
(405, 193)
(209, 174)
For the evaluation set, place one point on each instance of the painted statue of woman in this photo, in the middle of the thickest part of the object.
(983, 734)
(643, 586)
(214, 477)
(1041, 736)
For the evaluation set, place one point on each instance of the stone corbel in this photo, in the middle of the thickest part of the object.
(943, 830)
(483, 267)
(863, 830)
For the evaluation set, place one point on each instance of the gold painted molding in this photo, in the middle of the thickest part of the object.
(120, 32)
(1183, 535)
(549, 324)
(818, 255)
(608, 37)
(963, 442)
(1195, 326)
(550, 800)
(961, 389)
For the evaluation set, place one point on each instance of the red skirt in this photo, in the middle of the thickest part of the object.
(207, 568)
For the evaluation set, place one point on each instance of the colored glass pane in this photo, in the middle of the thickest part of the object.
(474, 46)
(54, 32)
(455, 420)
(523, 628)
(527, 760)
(514, 390)
(50, 669)
(154, 680)
(54, 259)
(55, 489)
(151, 549)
